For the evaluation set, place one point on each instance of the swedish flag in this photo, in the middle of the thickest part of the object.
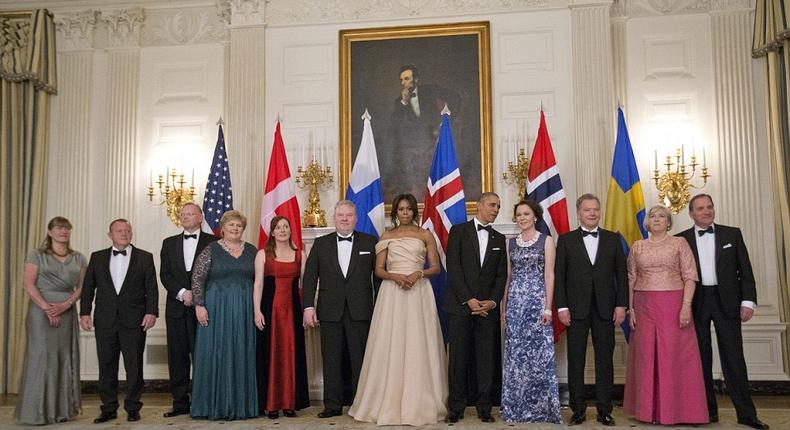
(625, 202)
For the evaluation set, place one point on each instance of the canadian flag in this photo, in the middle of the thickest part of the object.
(279, 197)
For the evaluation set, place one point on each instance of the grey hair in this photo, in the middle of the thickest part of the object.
(346, 203)
(658, 208)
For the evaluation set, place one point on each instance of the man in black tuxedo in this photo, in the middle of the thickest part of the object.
(476, 273)
(123, 280)
(591, 294)
(725, 295)
(343, 262)
(175, 270)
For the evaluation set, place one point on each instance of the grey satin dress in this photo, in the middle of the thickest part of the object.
(50, 387)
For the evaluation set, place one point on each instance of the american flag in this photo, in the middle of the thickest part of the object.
(445, 205)
(545, 187)
(219, 193)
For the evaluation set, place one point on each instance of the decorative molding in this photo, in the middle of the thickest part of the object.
(670, 109)
(308, 63)
(182, 27)
(643, 8)
(526, 50)
(75, 29)
(242, 13)
(668, 56)
(123, 26)
(525, 105)
(731, 5)
(182, 82)
(309, 114)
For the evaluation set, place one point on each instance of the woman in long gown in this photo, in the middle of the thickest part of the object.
(223, 380)
(529, 372)
(282, 367)
(663, 382)
(404, 372)
(50, 387)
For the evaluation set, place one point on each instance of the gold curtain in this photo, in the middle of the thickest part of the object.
(27, 81)
(772, 40)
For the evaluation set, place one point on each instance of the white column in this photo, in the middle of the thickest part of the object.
(619, 61)
(123, 72)
(247, 138)
(69, 163)
(593, 94)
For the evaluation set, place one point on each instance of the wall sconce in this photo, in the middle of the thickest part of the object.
(173, 192)
(674, 184)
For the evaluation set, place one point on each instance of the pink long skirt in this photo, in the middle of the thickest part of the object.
(663, 382)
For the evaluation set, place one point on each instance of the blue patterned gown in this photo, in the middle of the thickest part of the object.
(529, 373)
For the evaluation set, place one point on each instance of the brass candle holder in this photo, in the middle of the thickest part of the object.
(173, 193)
(675, 183)
(517, 173)
(314, 177)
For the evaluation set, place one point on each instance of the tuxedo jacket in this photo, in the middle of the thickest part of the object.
(577, 280)
(138, 296)
(733, 269)
(172, 270)
(336, 291)
(466, 276)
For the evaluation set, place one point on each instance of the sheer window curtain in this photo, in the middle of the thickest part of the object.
(27, 83)
(772, 40)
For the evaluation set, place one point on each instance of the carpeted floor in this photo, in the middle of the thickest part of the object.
(774, 410)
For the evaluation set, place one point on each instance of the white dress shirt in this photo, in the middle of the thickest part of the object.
(344, 252)
(706, 250)
(190, 247)
(119, 265)
(482, 239)
(414, 102)
(591, 243)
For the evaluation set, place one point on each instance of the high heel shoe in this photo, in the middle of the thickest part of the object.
(290, 413)
(273, 415)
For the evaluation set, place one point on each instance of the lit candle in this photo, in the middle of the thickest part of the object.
(150, 178)
(193, 177)
(655, 153)
(682, 154)
(704, 160)
(167, 175)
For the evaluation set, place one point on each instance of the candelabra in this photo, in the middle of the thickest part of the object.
(675, 183)
(516, 173)
(314, 177)
(173, 192)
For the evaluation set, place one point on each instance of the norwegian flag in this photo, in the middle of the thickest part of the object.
(445, 205)
(545, 187)
(219, 193)
(279, 197)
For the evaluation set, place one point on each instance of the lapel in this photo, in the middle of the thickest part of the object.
(132, 263)
(352, 261)
(331, 244)
(105, 267)
(719, 238)
(579, 240)
(179, 254)
(691, 238)
(472, 233)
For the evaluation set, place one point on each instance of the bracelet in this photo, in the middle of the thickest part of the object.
(547, 312)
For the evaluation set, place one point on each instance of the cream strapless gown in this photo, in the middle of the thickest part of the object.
(404, 374)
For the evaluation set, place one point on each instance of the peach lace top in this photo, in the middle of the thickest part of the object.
(661, 266)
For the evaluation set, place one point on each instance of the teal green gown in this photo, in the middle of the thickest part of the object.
(224, 385)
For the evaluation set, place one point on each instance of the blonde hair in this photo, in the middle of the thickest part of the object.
(233, 215)
(658, 208)
(58, 221)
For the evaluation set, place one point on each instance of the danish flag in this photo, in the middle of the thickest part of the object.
(279, 197)
(445, 205)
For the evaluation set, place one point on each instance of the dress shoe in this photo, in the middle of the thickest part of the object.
(105, 416)
(329, 413)
(486, 417)
(133, 416)
(453, 417)
(273, 415)
(754, 423)
(290, 413)
(175, 413)
(606, 419)
(578, 418)
(713, 418)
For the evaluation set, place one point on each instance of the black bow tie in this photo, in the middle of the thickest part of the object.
(116, 252)
(484, 227)
(190, 236)
(586, 233)
(341, 238)
(707, 230)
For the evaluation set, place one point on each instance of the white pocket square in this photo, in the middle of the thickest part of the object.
(729, 245)
(364, 252)
(496, 249)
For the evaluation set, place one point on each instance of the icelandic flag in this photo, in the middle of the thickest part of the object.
(445, 205)
(545, 187)
(279, 196)
(364, 187)
(625, 202)
(219, 193)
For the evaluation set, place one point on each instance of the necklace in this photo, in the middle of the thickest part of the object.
(227, 247)
(60, 255)
(525, 243)
(659, 240)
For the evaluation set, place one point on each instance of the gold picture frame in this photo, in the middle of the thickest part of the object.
(453, 60)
